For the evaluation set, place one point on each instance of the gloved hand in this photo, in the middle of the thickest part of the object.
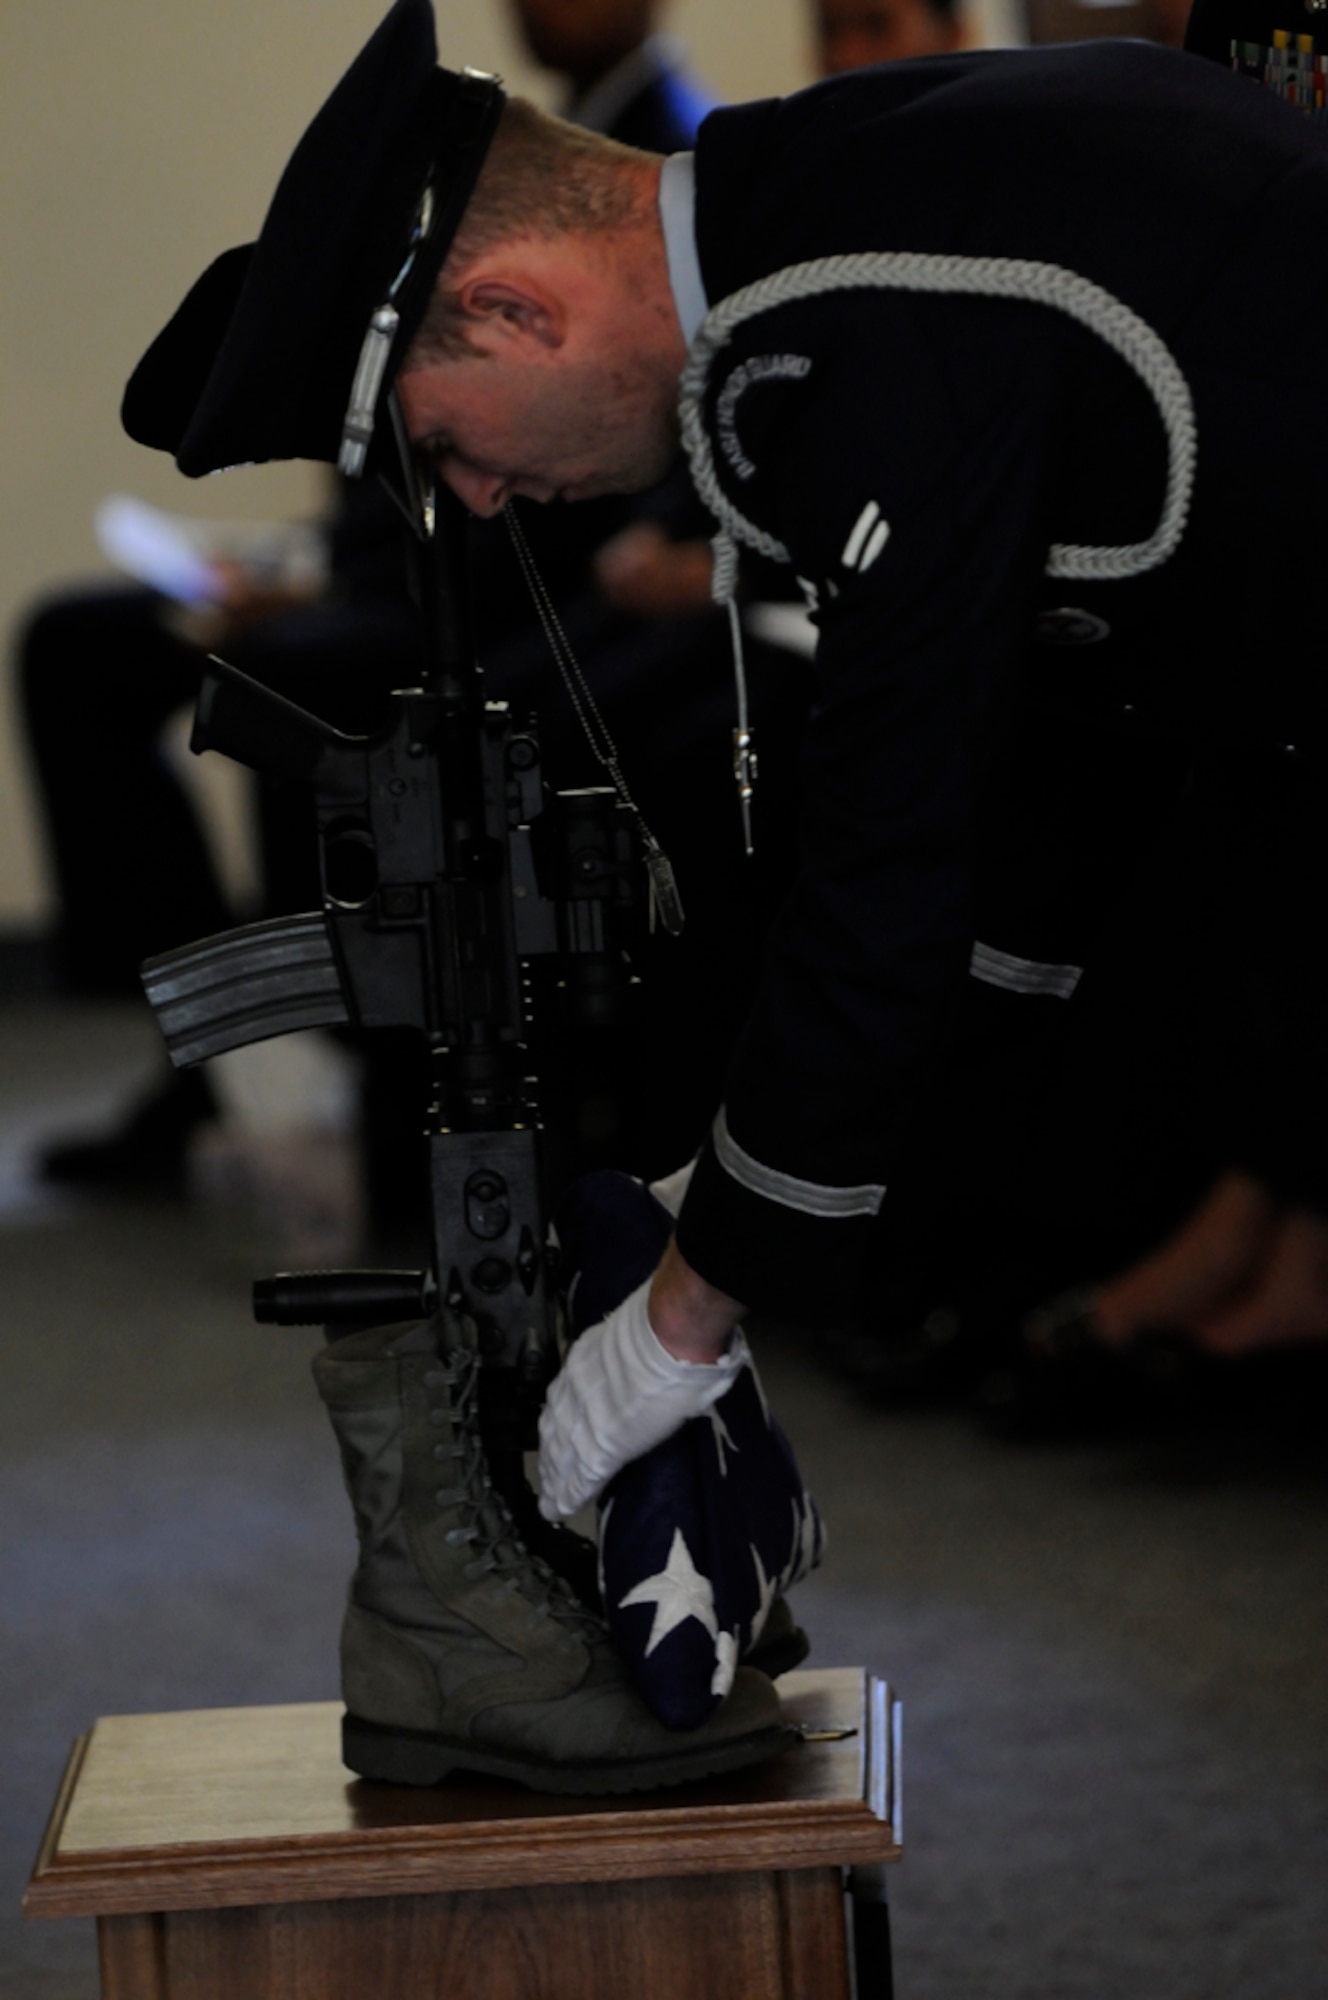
(618, 1395)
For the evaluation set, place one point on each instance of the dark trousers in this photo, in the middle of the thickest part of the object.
(1063, 1142)
(101, 674)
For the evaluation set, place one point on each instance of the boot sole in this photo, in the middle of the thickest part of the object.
(414, 1757)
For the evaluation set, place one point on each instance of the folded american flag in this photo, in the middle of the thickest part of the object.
(698, 1537)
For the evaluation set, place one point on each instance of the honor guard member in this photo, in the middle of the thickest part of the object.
(1009, 358)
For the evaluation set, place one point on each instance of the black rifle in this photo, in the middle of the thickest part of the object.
(448, 873)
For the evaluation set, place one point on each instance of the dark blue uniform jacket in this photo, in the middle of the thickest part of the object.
(994, 752)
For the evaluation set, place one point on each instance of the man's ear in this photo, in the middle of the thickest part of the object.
(515, 307)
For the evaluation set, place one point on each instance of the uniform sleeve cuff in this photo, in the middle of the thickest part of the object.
(783, 1264)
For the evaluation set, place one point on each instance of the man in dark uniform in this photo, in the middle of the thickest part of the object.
(997, 350)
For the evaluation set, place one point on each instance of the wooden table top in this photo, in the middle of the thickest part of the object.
(223, 1807)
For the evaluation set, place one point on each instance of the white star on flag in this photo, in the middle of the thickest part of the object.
(726, 1664)
(768, 1587)
(599, 1552)
(723, 1441)
(808, 1541)
(678, 1593)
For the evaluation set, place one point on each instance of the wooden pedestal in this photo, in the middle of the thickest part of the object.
(228, 1855)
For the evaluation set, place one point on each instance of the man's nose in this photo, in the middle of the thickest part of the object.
(484, 493)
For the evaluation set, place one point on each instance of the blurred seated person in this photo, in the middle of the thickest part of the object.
(1246, 1272)
(102, 671)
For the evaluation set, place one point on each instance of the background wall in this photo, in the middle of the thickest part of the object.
(137, 139)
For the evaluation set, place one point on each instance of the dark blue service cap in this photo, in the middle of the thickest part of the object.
(286, 348)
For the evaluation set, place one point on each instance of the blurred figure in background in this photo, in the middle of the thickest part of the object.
(623, 77)
(850, 34)
(102, 671)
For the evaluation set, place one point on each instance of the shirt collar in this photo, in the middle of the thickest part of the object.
(677, 214)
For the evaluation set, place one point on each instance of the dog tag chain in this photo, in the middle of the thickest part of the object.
(665, 900)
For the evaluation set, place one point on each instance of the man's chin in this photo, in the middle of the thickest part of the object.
(595, 489)
(633, 479)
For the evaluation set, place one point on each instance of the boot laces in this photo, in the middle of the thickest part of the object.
(487, 1524)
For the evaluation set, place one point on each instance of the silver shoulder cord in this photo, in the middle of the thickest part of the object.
(665, 901)
(1042, 284)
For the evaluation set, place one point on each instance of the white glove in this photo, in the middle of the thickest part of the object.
(618, 1395)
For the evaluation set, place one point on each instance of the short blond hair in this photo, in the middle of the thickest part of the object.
(542, 178)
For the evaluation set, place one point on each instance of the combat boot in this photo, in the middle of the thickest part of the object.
(460, 1650)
